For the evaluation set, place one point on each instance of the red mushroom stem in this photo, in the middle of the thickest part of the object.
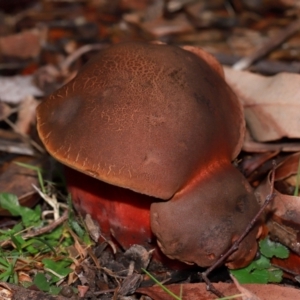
(123, 215)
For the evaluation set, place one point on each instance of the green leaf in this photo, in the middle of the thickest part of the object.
(15, 278)
(26, 284)
(59, 267)
(9, 274)
(16, 242)
(10, 202)
(41, 282)
(54, 290)
(269, 249)
(256, 272)
(54, 234)
(261, 263)
(86, 239)
(77, 228)
(261, 270)
(4, 276)
(255, 276)
(38, 245)
(17, 228)
(4, 264)
(30, 217)
(5, 234)
(275, 275)
(68, 241)
(48, 244)
(32, 249)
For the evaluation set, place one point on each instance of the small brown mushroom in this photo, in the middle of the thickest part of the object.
(159, 121)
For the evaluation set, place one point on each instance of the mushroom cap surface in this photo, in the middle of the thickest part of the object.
(143, 116)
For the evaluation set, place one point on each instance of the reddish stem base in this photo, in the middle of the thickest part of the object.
(122, 214)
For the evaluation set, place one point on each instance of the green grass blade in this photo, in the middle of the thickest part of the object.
(38, 171)
(162, 286)
(296, 192)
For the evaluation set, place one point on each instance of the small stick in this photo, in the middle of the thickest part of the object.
(25, 136)
(235, 245)
(103, 292)
(246, 62)
(264, 66)
(16, 148)
(47, 228)
(65, 64)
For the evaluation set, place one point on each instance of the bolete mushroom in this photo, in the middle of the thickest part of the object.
(158, 125)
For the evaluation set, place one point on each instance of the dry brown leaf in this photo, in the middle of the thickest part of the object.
(161, 27)
(18, 180)
(23, 276)
(26, 44)
(5, 111)
(250, 145)
(245, 293)
(82, 290)
(285, 222)
(245, 41)
(285, 218)
(133, 4)
(271, 103)
(9, 291)
(130, 284)
(14, 89)
(154, 11)
(198, 291)
(92, 227)
(255, 161)
(12, 142)
(288, 167)
(6, 292)
(261, 6)
(176, 5)
(26, 116)
(290, 264)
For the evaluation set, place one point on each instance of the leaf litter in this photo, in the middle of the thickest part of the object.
(53, 253)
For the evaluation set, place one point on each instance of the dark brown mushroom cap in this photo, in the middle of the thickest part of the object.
(199, 224)
(143, 116)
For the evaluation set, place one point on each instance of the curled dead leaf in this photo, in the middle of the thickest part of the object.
(26, 44)
(284, 211)
(26, 116)
(250, 145)
(14, 89)
(199, 291)
(271, 103)
(93, 227)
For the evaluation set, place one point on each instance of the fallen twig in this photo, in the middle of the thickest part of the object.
(47, 228)
(246, 62)
(25, 136)
(264, 66)
(65, 64)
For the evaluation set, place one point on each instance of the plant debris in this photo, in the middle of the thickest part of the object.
(50, 251)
